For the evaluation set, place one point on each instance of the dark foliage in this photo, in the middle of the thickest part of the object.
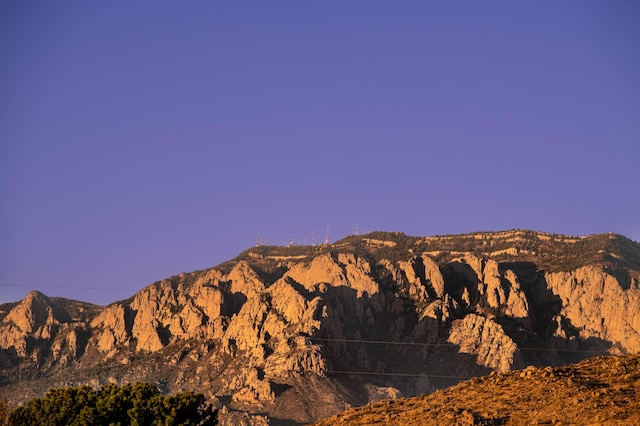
(139, 404)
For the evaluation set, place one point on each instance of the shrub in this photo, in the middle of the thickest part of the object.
(139, 404)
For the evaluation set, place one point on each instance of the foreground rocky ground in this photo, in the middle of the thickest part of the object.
(602, 390)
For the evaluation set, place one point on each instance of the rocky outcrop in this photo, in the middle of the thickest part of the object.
(240, 418)
(244, 280)
(35, 319)
(485, 338)
(112, 329)
(345, 271)
(33, 313)
(255, 388)
(433, 276)
(599, 306)
(498, 291)
(517, 305)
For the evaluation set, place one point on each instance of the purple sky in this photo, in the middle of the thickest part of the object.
(142, 139)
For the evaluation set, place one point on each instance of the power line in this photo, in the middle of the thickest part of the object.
(162, 330)
(34, 286)
(346, 372)
(385, 342)
(450, 345)
(166, 330)
(372, 373)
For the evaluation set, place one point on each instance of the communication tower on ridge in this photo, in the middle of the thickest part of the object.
(326, 240)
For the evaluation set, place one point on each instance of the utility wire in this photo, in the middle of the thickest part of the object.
(451, 345)
(378, 342)
(36, 286)
(164, 330)
(371, 373)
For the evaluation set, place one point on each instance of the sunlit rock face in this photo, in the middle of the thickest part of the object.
(599, 306)
(485, 338)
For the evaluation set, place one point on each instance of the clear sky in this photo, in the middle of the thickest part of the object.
(141, 139)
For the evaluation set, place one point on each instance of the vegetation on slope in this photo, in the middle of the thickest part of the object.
(139, 404)
(602, 390)
(549, 252)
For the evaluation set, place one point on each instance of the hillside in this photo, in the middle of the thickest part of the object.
(603, 390)
(299, 333)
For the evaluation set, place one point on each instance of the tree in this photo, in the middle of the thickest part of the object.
(139, 404)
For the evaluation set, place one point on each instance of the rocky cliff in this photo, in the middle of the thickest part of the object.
(302, 332)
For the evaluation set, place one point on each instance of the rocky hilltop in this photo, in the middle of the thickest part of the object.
(597, 391)
(294, 334)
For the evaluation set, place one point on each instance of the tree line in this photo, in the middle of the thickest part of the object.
(131, 404)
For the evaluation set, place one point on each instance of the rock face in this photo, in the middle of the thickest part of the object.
(599, 306)
(484, 337)
(300, 333)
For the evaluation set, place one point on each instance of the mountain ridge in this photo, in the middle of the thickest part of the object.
(277, 329)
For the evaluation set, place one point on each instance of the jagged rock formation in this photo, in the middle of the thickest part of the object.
(599, 305)
(483, 336)
(303, 332)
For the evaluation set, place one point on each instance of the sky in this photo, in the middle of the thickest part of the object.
(142, 139)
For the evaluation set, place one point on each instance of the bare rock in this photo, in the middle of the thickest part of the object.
(34, 318)
(244, 280)
(286, 300)
(596, 303)
(111, 328)
(346, 271)
(33, 312)
(492, 284)
(256, 389)
(517, 304)
(246, 328)
(240, 418)
(501, 291)
(433, 275)
(415, 276)
(484, 337)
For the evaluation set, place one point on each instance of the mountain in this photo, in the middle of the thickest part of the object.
(296, 334)
(601, 390)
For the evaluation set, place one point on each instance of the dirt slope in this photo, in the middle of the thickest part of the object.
(602, 390)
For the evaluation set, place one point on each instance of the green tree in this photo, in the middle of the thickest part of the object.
(138, 404)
